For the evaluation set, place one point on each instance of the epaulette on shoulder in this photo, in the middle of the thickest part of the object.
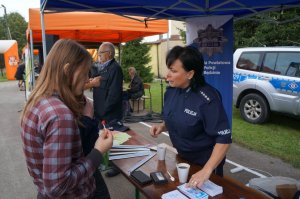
(205, 96)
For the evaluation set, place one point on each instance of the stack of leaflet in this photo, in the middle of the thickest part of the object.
(174, 195)
(192, 193)
(128, 151)
(120, 137)
(211, 188)
(208, 188)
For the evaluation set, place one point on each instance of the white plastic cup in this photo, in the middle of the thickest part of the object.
(183, 172)
(161, 152)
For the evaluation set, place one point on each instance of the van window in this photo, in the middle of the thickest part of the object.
(269, 63)
(283, 63)
(288, 63)
(249, 61)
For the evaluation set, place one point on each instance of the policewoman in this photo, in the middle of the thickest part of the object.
(194, 115)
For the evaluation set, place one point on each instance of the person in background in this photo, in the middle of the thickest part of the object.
(107, 83)
(37, 67)
(135, 89)
(49, 126)
(194, 115)
(20, 75)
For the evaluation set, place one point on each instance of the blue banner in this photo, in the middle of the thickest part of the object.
(213, 36)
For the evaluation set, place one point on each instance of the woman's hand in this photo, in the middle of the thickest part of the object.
(105, 141)
(199, 178)
(157, 129)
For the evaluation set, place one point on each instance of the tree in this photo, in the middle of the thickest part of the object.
(136, 54)
(17, 26)
(182, 33)
(281, 31)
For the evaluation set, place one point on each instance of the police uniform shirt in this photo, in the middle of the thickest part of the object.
(196, 121)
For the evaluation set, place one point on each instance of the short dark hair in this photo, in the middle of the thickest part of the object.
(191, 59)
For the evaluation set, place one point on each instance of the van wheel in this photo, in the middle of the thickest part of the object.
(254, 109)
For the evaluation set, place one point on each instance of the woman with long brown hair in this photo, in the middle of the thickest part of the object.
(50, 133)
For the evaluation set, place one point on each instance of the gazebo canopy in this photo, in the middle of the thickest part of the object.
(93, 27)
(171, 9)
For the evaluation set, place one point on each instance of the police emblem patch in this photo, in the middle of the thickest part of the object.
(210, 40)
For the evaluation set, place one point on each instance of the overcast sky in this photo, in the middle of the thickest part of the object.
(20, 6)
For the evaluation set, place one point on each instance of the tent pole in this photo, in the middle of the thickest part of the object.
(119, 48)
(32, 61)
(43, 35)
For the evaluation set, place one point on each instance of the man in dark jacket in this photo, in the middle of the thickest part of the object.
(107, 83)
(136, 86)
(108, 95)
(135, 90)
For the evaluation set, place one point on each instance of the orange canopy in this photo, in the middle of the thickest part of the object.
(93, 27)
(11, 57)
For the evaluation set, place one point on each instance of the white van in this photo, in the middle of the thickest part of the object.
(266, 79)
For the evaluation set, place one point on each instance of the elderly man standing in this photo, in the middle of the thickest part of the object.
(107, 82)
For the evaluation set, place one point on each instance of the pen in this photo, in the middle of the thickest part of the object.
(103, 123)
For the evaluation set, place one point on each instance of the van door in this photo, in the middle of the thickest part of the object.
(282, 69)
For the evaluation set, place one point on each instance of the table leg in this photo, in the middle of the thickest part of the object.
(137, 194)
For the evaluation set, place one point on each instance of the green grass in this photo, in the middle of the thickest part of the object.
(156, 96)
(3, 78)
(280, 137)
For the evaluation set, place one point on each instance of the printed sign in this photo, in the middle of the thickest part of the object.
(12, 61)
(213, 37)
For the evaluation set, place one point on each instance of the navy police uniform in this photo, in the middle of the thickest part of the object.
(196, 121)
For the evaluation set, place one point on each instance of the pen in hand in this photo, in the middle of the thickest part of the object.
(103, 123)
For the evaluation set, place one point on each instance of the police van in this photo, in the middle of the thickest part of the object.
(266, 79)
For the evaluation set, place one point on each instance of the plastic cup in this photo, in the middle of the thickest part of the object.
(161, 152)
(183, 172)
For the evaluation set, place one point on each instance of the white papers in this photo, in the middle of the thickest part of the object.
(129, 146)
(192, 193)
(211, 188)
(122, 153)
(173, 195)
(136, 154)
(208, 187)
(128, 151)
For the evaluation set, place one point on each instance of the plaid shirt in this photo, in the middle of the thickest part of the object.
(53, 151)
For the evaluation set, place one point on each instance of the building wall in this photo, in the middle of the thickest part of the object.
(160, 45)
(158, 53)
(174, 26)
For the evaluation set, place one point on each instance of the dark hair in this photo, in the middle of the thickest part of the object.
(191, 59)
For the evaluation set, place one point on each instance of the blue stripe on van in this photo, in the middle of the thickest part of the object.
(286, 85)
(278, 84)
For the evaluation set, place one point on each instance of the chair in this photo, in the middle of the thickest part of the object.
(137, 104)
(146, 97)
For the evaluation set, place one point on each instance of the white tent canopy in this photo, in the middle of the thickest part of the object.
(5, 45)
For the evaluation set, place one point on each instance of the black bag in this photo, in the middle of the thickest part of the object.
(89, 133)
